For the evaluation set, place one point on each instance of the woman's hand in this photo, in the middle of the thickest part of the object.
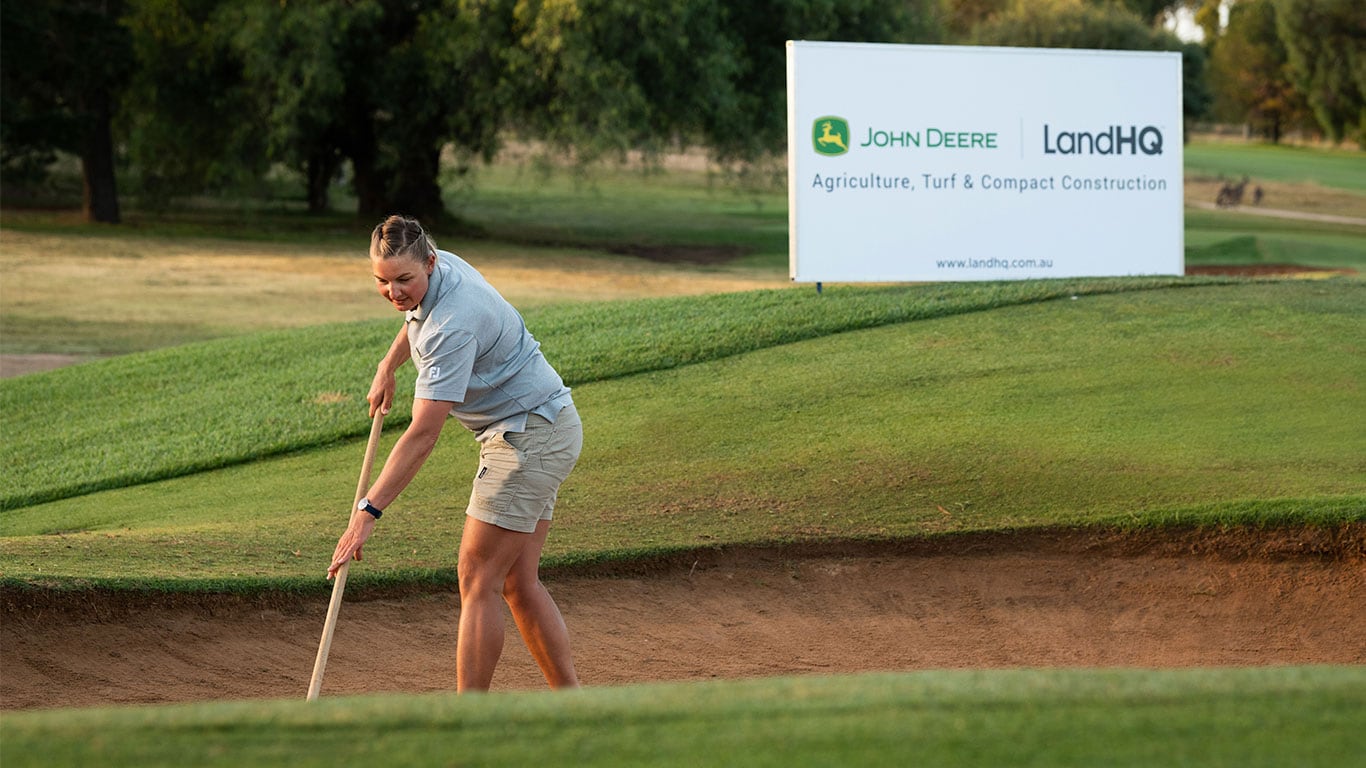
(381, 395)
(349, 545)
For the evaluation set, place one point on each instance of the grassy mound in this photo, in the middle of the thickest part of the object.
(181, 410)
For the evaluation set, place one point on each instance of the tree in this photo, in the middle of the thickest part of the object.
(1325, 43)
(296, 68)
(435, 86)
(603, 76)
(960, 17)
(1151, 11)
(190, 124)
(761, 28)
(63, 66)
(1248, 72)
(385, 84)
(1074, 24)
(1207, 18)
(1068, 24)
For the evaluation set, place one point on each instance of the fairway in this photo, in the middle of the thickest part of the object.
(1059, 598)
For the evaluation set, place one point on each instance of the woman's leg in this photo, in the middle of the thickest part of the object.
(538, 617)
(497, 564)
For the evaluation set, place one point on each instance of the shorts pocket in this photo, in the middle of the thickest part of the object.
(499, 464)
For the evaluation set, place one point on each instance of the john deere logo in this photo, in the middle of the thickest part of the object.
(830, 135)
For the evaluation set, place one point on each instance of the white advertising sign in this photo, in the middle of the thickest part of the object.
(948, 163)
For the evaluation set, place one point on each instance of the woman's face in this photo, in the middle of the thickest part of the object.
(402, 280)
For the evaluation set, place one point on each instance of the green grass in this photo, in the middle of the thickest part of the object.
(1246, 718)
(187, 409)
(1220, 238)
(1309, 180)
(1336, 168)
(607, 207)
(1221, 404)
(613, 207)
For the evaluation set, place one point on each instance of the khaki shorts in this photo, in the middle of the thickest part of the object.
(520, 472)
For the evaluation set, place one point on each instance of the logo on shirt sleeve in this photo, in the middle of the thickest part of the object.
(434, 372)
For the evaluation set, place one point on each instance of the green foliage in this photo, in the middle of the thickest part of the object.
(758, 34)
(1248, 72)
(1152, 11)
(56, 95)
(1206, 16)
(1303, 716)
(34, 120)
(961, 17)
(1196, 94)
(222, 90)
(1070, 25)
(603, 76)
(1323, 41)
(384, 85)
(608, 75)
(189, 124)
(1102, 26)
(297, 65)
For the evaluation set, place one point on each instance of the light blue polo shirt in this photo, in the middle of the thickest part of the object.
(472, 348)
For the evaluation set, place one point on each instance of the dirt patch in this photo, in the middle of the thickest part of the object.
(1041, 599)
(18, 365)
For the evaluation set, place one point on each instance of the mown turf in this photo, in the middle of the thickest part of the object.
(1343, 168)
(188, 409)
(1221, 404)
(1242, 718)
(1217, 238)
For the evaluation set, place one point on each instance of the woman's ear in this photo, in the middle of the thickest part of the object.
(431, 262)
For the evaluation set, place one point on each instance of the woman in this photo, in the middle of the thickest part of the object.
(475, 361)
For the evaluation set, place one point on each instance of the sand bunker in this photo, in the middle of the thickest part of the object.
(1039, 599)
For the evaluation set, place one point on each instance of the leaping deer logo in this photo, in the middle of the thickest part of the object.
(830, 135)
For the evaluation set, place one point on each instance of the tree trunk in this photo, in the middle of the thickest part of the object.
(358, 144)
(416, 191)
(369, 186)
(322, 167)
(100, 199)
(367, 181)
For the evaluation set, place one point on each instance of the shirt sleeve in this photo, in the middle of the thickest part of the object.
(445, 361)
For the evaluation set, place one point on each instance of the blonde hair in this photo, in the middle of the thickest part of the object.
(401, 236)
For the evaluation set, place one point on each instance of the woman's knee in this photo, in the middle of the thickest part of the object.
(521, 590)
(477, 577)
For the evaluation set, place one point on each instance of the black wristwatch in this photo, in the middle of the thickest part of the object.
(374, 511)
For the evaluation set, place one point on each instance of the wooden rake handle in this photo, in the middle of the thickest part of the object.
(339, 582)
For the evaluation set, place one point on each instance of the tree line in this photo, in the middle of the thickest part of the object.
(179, 97)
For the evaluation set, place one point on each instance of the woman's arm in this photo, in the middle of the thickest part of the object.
(407, 457)
(411, 451)
(381, 395)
